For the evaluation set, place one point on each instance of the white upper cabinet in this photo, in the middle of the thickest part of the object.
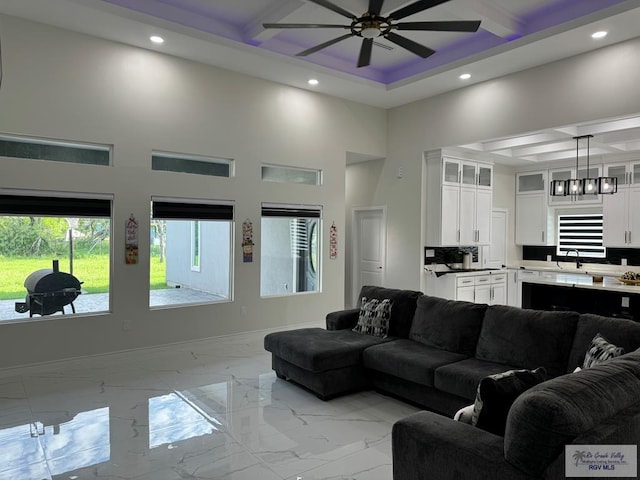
(621, 210)
(532, 208)
(458, 201)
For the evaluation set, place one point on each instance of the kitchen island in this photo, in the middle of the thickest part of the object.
(578, 292)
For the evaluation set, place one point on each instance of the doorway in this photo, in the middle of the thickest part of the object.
(369, 248)
(495, 254)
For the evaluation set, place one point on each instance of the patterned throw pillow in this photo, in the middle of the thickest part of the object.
(374, 317)
(599, 351)
(496, 393)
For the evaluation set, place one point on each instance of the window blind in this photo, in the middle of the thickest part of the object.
(582, 232)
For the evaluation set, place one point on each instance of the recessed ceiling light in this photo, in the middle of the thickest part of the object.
(465, 76)
(156, 39)
(313, 82)
(599, 34)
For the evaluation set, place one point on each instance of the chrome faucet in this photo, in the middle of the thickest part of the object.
(578, 263)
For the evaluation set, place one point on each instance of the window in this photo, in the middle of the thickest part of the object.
(290, 257)
(54, 151)
(191, 251)
(581, 232)
(195, 245)
(54, 254)
(279, 174)
(171, 162)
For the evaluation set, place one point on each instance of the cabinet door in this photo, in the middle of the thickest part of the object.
(560, 174)
(450, 171)
(531, 182)
(450, 215)
(614, 218)
(499, 290)
(483, 294)
(467, 216)
(485, 176)
(634, 216)
(619, 171)
(466, 294)
(469, 171)
(531, 219)
(483, 216)
(634, 173)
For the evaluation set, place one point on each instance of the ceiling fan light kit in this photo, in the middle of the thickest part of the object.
(373, 25)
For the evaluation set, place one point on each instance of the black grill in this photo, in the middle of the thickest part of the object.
(48, 291)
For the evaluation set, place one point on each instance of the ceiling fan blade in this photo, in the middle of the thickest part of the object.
(410, 45)
(375, 6)
(415, 8)
(335, 8)
(448, 26)
(323, 45)
(365, 52)
(302, 25)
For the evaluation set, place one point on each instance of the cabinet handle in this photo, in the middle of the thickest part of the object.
(625, 237)
(542, 236)
(459, 176)
(458, 235)
(629, 236)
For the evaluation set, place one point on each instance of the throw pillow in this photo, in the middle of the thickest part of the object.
(464, 415)
(374, 317)
(496, 393)
(600, 350)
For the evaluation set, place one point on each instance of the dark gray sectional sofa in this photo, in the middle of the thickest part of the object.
(436, 353)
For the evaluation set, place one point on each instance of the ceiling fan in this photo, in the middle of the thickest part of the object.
(372, 24)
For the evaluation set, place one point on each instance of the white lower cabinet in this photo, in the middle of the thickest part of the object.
(486, 288)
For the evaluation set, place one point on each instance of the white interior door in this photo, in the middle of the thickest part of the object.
(369, 248)
(494, 255)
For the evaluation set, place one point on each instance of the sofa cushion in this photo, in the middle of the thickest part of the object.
(600, 350)
(496, 393)
(319, 350)
(408, 360)
(527, 338)
(462, 378)
(404, 306)
(447, 324)
(374, 317)
(621, 332)
(552, 414)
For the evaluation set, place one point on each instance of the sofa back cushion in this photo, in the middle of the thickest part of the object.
(447, 324)
(527, 338)
(620, 332)
(552, 414)
(404, 306)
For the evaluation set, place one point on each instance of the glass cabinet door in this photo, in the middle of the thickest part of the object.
(533, 182)
(618, 171)
(451, 169)
(635, 173)
(561, 175)
(484, 175)
(468, 173)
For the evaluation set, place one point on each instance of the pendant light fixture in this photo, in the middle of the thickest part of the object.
(583, 186)
(589, 184)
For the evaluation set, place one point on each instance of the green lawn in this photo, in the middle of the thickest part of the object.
(92, 269)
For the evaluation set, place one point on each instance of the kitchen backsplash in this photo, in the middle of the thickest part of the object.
(614, 255)
(447, 254)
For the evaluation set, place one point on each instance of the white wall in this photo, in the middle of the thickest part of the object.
(63, 85)
(596, 85)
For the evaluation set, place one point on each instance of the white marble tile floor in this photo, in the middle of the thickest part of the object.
(206, 410)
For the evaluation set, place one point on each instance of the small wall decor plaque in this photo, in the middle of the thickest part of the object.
(333, 241)
(247, 241)
(131, 241)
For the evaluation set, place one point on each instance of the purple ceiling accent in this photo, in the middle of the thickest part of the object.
(469, 48)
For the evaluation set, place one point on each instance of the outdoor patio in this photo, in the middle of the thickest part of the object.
(99, 302)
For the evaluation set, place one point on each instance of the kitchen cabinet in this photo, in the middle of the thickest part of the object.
(459, 200)
(498, 294)
(532, 210)
(621, 218)
(621, 215)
